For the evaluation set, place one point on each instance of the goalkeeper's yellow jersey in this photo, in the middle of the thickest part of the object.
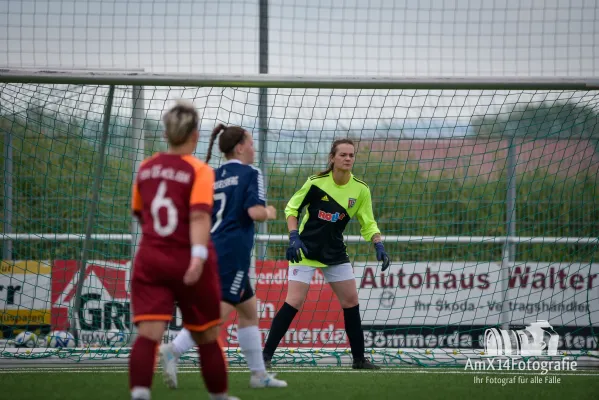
(329, 208)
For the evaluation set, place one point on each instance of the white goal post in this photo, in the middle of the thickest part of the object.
(54, 76)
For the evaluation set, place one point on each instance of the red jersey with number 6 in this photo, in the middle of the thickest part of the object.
(167, 189)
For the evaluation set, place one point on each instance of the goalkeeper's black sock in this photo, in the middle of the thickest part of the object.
(353, 328)
(280, 325)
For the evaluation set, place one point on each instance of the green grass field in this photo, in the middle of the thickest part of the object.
(110, 383)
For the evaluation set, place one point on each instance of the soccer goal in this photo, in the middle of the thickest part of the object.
(484, 189)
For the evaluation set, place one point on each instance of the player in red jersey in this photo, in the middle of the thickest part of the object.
(176, 261)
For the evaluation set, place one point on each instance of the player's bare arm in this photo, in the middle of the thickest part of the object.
(200, 224)
(200, 219)
(292, 223)
(260, 213)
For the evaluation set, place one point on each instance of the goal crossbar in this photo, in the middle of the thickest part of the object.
(103, 77)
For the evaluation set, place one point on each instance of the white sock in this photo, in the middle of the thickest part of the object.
(251, 346)
(183, 342)
(139, 392)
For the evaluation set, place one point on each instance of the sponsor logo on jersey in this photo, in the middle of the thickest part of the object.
(231, 181)
(325, 198)
(167, 173)
(351, 202)
(330, 217)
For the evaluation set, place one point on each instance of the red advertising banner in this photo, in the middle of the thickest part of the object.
(104, 298)
(106, 304)
(436, 299)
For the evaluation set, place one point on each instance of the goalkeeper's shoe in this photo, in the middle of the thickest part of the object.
(169, 361)
(266, 381)
(364, 364)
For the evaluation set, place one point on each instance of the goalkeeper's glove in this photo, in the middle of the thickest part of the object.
(381, 255)
(295, 244)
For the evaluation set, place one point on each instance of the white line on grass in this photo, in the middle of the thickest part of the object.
(194, 370)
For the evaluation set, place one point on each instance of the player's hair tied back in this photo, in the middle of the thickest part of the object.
(230, 136)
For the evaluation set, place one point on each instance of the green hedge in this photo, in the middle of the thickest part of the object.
(52, 178)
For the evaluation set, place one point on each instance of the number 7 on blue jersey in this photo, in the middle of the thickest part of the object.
(222, 198)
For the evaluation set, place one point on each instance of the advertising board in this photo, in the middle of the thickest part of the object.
(420, 304)
(449, 304)
(24, 297)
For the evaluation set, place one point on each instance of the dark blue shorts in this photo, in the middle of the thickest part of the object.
(235, 285)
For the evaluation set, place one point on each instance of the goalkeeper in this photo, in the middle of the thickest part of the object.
(332, 198)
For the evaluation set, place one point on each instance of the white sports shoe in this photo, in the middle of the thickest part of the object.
(169, 361)
(266, 381)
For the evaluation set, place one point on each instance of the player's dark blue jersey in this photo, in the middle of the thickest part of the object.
(237, 187)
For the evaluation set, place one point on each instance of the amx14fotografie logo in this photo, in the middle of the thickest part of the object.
(532, 349)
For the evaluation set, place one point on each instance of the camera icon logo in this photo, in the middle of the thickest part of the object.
(537, 339)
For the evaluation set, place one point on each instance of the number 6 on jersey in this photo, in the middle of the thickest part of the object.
(172, 215)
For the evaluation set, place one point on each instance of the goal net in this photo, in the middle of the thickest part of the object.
(486, 200)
